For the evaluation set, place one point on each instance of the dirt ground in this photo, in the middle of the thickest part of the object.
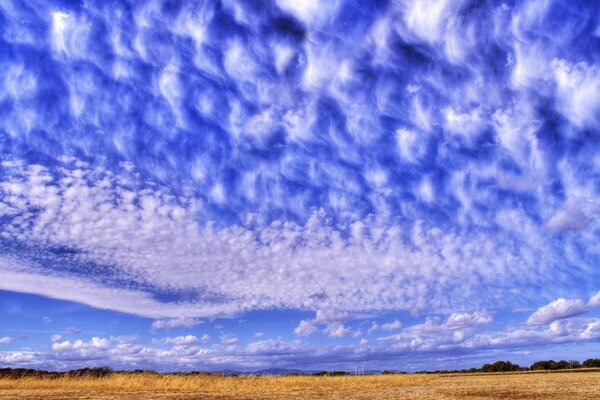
(496, 386)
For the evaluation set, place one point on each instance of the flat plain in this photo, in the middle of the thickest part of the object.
(143, 386)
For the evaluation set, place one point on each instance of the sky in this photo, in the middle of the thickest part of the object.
(209, 185)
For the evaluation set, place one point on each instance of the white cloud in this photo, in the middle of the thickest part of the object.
(428, 19)
(595, 300)
(426, 191)
(5, 340)
(56, 338)
(70, 35)
(338, 330)
(591, 331)
(327, 316)
(386, 327)
(306, 328)
(558, 309)
(438, 328)
(229, 340)
(229, 353)
(515, 128)
(412, 145)
(140, 231)
(576, 214)
(310, 12)
(333, 325)
(82, 291)
(374, 327)
(578, 88)
(464, 320)
(180, 322)
(391, 326)
(182, 340)
(96, 343)
(239, 62)
(466, 125)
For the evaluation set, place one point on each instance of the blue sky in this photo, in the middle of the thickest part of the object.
(307, 184)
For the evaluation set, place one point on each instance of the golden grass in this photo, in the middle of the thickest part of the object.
(211, 383)
(150, 386)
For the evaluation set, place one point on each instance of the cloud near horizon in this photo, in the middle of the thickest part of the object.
(410, 349)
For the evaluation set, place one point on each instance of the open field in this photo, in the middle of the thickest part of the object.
(150, 386)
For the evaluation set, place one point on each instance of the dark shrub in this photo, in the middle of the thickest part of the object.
(592, 363)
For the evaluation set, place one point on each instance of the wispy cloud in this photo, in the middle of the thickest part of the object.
(180, 322)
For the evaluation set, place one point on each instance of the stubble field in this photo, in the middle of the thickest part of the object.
(144, 386)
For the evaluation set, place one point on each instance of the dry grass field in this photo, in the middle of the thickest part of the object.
(143, 386)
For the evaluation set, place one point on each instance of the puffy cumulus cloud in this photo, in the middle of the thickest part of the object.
(338, 330)
(414, 352)
(23, 358)
(433, 336)
(306, 328)
(95, 342)
(558, 309)
(333, 322)
(557, 332)
(391, 326)
(182, 340)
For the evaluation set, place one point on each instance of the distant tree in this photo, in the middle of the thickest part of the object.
(544, 365)
(571, 364)
(501, 366)
(338, 373)
(592, 363)
(96, 372)
(331, 373)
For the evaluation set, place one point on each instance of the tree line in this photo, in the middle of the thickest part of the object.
(543, 365)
